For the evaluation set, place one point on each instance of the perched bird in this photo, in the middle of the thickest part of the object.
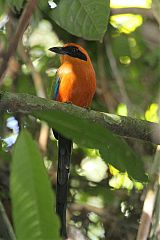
(76, 83)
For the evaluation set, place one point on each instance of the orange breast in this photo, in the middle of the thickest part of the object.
(78, 83)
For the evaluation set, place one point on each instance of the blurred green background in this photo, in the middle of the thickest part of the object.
(103, 202)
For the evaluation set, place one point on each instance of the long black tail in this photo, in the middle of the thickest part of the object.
(64, 156)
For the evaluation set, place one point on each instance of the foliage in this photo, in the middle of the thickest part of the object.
(87, 19)
(30, 192)
(123, 158)
(126, 62)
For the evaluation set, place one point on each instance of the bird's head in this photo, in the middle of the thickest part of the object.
(72, 50)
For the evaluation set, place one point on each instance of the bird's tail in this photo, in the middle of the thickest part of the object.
(64, 156)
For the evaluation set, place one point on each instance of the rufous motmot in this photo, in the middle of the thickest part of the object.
(76, 83)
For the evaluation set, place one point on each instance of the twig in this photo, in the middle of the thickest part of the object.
(156, 11)
(35, 75)
(5, 226)
(22, 24)
(146, 218)
(104, 90)
(117, 75)
(44, 131)
(120, 125)
(134, 10)
(150, 199)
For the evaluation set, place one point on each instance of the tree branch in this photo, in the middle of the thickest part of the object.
(133, 10)
(117, 74)
(40, 91)
(149, 222)
(22, 24)
(120, 125)
(5, 226)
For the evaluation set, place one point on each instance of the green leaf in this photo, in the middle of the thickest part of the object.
(31, 194)
(83, 18)
(2, 7)
(112, 148)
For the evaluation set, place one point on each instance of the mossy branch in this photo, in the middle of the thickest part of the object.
(120, 125)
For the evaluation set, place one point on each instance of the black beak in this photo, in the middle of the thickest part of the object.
(69, 51)
(59, 50)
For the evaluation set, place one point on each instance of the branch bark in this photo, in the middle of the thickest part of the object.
(134, 10)
(120, 125)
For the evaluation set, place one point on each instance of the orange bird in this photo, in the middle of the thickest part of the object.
(76, 83)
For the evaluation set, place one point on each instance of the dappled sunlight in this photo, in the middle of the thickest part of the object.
(130, 3)
(95, 201)
(96, 230)
(126, 60)
(47, 163)
(121, 180)
(52, 4)
(126, 23)
(11, 138)
(122, 109)
(134, 48)
(3, 20)
(152, 113)
(48, 40)
(82, 197)
(94, 169)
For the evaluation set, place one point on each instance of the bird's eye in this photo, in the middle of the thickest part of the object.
(75, 50)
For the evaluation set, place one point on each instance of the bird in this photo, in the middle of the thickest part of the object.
(76, 84)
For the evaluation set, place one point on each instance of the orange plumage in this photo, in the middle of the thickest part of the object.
(77, 79)
(76, 83)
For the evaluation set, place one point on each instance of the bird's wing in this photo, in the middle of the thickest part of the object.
(56, 88)
(54, 97)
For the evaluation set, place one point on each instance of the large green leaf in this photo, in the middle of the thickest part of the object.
(83, 18)
(113, 149)
(32, 197)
